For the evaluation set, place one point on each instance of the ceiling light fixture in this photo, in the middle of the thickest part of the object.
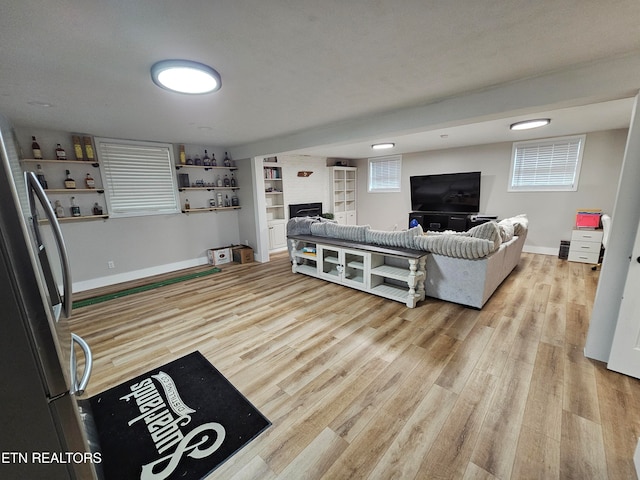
(383, 146)
(528, 124)
(185, 76)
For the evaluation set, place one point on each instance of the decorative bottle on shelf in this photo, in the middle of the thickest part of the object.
(227, 182)
(88, 148)
(77, 147)
(69, 182)
(75, 209)
(35, 148)
(227, 202)
(227, 161)
(187, 205)
(57, 206)
(40, 176)
(206, 161)
(197, 160)
(219, 195)
(235, 201)
(214, 162)
(234, 183)
(183, 156)
(219, 181)
(189, 161)
(89, 181)
(60, 153)
(97, 209)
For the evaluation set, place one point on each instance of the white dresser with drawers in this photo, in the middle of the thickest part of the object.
(585, 246)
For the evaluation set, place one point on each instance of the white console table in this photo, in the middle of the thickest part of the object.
(394, 273)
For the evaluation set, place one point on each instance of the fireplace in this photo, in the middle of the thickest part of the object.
(305, 210)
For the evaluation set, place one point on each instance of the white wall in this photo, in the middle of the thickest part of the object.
(147, 245)
(551, 214)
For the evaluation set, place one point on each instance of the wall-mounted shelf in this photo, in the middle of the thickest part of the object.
(209, 189)
(206, 167)
(74, 190)
(76, 162)
(77, 219)
(208, 209)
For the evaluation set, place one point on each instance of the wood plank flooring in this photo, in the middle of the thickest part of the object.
(362, 387)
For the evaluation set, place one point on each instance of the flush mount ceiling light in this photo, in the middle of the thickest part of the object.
(185, 76)
(529, 124)
(383, 146)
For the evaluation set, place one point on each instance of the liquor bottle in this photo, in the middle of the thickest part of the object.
(227, 161)
(206, 161)
(35, 147)
(214, 162)
(77, 147)
(60, 153)
(183, 156)
(219, 181)
(97, 209)
(234, 183)
(88, 148)
(220, 204)
(59, 209)
(227, 182)
(235, 201)
(189, 161)
(89, 181)
(75, 209)
(40, 176)
(187, 205)
(69, 182)
(197, 160)
(227, 202)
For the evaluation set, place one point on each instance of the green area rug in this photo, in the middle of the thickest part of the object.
(142, 288)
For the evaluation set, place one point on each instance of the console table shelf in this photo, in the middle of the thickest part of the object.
(394, 273)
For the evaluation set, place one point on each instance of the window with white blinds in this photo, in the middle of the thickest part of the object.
(546, 165)
(384, 174)
(138, 177)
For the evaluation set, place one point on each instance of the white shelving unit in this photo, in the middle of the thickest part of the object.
(343, 194)
(206, 182)
(397, 274)
(585, 246)
(274, 201)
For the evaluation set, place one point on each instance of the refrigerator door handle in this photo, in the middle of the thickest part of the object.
(35, 187)
(78, 388)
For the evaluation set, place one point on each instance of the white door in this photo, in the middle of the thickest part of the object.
(625, 350)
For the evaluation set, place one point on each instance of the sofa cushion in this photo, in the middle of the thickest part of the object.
(402, 239)
(354, 233)
(506, 229)
(520, 224)
(488, 231)
(459, 246)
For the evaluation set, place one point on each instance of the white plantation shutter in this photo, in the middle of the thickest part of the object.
(548, 165)
(138, 177)
(384, 174)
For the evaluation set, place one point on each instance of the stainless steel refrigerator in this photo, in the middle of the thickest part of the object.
(44, 433)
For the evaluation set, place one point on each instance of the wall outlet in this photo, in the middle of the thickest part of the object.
(110, 264)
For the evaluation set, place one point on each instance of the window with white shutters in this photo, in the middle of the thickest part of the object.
(138, 177)
(546, 165)
(384, 174)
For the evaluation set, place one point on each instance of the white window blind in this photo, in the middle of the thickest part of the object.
(138, 177)
(384, 174)
(546, 165)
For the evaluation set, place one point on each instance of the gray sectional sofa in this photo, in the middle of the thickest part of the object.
(462, 267)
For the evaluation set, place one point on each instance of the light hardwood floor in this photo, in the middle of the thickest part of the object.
(362, 387)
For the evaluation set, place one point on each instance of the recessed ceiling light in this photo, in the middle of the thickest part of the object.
(185, 76)
(40, 104)
(528, 124)
(382, 146)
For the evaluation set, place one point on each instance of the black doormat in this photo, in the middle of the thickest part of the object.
(178, 421)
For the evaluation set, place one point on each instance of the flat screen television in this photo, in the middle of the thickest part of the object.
(449, 192)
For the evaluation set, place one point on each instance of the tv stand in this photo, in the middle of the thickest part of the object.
(440, 221)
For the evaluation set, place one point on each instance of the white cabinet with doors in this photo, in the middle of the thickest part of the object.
(343, 191)
(274, 202)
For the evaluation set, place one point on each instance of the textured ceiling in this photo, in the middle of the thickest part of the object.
(287, 66)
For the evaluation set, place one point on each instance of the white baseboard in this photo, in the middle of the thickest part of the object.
(540, 250)
(136, 274)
